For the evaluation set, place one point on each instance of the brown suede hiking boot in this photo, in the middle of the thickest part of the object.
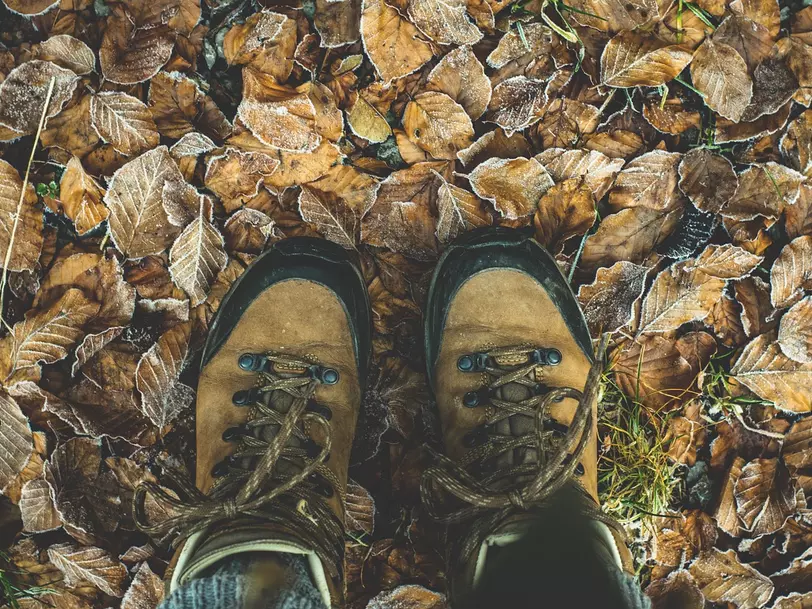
(510, 360)
(279, 394)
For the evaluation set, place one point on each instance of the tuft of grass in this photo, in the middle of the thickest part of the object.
(10, 592)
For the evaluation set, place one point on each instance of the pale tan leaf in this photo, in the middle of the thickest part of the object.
(516, 103)
(138, 222)
(129, 55)
(94, 565)
(16, 438)
(26, 244)
(438, 125)
(764, 12)
(197, 256)
(794, 601)
(725, 262)
(670, 117)
(615, 15)
(567, 209)
(708, 179)
(650, 181)
(722, 578)
(37, 507)
(795, 331)
(565, 123)
(392, 44)
(146, 590)
(532, 41)
(791, 274)
(367, 122)
(797, 449)
(124, 122)
(444, 21)
(461, 76)
(770, 374)
(68, 52)
(163, 397)
(597, 169)
(764, 190)
(495, 144)
(23, 93)
(191, 144)
(632, 60)
(458, 211)
(236, 176)
(514, 186)
(609, 301)
(337, 23)
(765, 496)
(331, 215)
(81, 197)
(726, 515)
(360, 513)
(720, 74)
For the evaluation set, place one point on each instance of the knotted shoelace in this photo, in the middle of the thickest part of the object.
(487, 500)
(288, 496)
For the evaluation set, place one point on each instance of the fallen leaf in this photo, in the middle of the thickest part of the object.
(764, 190)
(597, 169)
(367, 122)
(146, 590)
(266, 41)
(392, 44)
(726, 515)
(650, 181)
(458, 211)
(23, 93)
(797, 449)
(765, 496)
(30, 7)
(516, 102)
(729, 131)
(81, 197)
(359, 516)
(794, 601)
(514, 186)
(681, 538)
(725, 319)
(90, 564)
(15, 433)
(614, 15)
(192, 144)
(567, 209)
(686, 435)
(408, 597)
(615, 143)
(565, 123)
(678, 590)
(68, 52)
(130, 55)
(37, 507)
(795, 331)
(337, 22)
(71, 129)
(438, 125)
(632, 60)
(461, 76)
(722, 578)
(750, 39)
(771, 375)
(791, 273)
(670, 117)
(517, 50)
(123, 121)
(180, 108)
(26, 241)
(707, 179)
(444, 21)
(753, 294)
(797, 143)
(495, 144)
(609, 301)
(721, 75)
(725, 262)
(237, 176)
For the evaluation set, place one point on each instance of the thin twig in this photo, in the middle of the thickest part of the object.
(6, 262)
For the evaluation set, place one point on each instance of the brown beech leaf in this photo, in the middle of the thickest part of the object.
(514, 186)
(438, 125)
(81, 197)
(791, 273)
(670, 117)
(597, 169)
(729, 131)
(616, 143)
(359, 516)
(630, 235)
(23, 93)
(516, 103)
(764, 190)
(725, 319)
(367, 122)
(609, 301)
(677, 591)
(722, 578)
(191, 144)
(180, 108)
(68, 52)
(392, 44)
(29, 7)
(566, 210)
(650, 181)
(797, 143)
(458, 211)
(725, 262)
(461, 76)
(750, 39)
(236, 176)
(71, 130)
(26, 243)
(146, 590)
(686, 434)
(138, 222)
(613, 15)
(721, 75)
(15, 434)
(765, 496)
(129, 55)
(770, 374)
(337, 22)
(124, 122)
(266, 41)
(37, 507)
(632, 60)
(707, 179)
(517, 50)
(565, 122)
(444, 21)
(794, 601)
(765, 12)
(409, 596)
(163, 397)
(652, 369)
(795, 331)
(495, 144)
(797, 449)
(248, 230)
(89, 564)
(197, 256)
(726, 515)
(681, 538)
(753, 294)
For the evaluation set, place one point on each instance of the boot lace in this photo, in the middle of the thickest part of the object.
(277, 474)
(489, 495)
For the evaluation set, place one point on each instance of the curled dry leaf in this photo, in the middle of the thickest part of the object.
(494, 144)
(359, 516)
(266, 41)
(37, 507)
(15, 434)
(179, 108)
(753, 294)
(725, 319)
(707, 179)
(514, 186)
(191, 144)
(392, 44)
(81, 197)
(123, 121)
(597, 169)
(68, 52)
(683, 537)
(795, 331)
(721, 75)
(24, 90)
(458, 211)
(686, 434)
(26, 241)
(461, 76)
(438, 125)
(765, 496)
(71, 130)
(444, 21)
(726, 515)
(163, 397)
(791, 273)
(566, 210)
(764, 190)
(722, 578)
(516, 103)
(633, 60)
(770, 374)
(650, 181)
(139, 225)
(146, 590)
(609, 301)
(129, 55)
(89, 564)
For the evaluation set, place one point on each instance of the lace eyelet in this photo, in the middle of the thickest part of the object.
(546, 357)
(579, 470)
(244, 397)
(251, 362)
(325, 376)
(220, 469)
(322, 411)
(312, 449)
(233, 433)
(470, 399)
(474, 362)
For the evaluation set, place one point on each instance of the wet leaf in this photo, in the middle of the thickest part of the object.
(89, 564)
(461, 76)
(68, 52)
(26, 241)
(514, 186)
(721, 75)
(722, 578)
(37, 507)
(791, 273)
(765, 496)
(438, 125)
(393, 45)
(566, 210)
(609, 301)
(708, 179)
(649, 181)
(632, 60)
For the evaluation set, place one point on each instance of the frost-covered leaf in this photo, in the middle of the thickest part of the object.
(791, 273)
(458, 211)
(17, 440)
(725, 262)
(81, 197)
(37, 507)
(514, 186)
(765, 496)
(597, 169)
(129, 54)
(69, 52)
(438, 125)
(650, 181)
(146, 590)
(608, 302)
(26, 241)
(89, 564)
(722, 578)
(795, 331)
(633, 60)
(566, 210)
(797, 449)
(24, 90)
(720, 74)
(392, 43)
(360, 513)
(516, 102)
(764, 190)
(461, 76)
(708, 179)
(179, 107)
(444, 21)
(123, 121)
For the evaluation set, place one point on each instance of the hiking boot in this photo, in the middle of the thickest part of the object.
(280, 387)
(511, 364)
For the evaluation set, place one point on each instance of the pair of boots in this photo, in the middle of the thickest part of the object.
(510, 362)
